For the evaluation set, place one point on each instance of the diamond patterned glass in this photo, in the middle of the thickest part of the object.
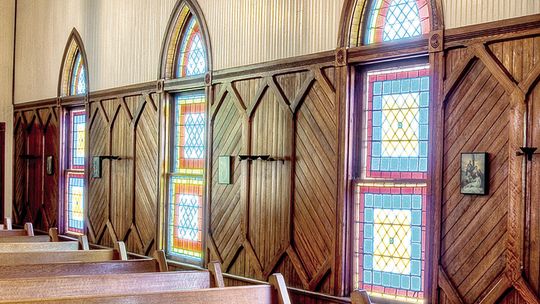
(78, 125)
(390, 20)
(191, 52)
(74, 202)
(74, 171)
(397, 123)
(390, 241)
(78, 76)
(187, 177)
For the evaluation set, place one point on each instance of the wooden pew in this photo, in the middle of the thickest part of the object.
(59, 287)
(33, 244)
(27, 231)
(52, 237)
(44, 257)
(360, 297)
(88, 268)
(172, 287)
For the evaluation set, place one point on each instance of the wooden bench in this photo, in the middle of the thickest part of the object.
(47, 257)
(9, 231)
(157, 264)
(60, 287)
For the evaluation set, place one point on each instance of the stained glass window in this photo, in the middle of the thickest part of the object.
(191, 59)
(390, 243)
(78, 76)
(396, 19)
(75, 201)
(187, 177)
(390, 208)
(74, 173)
(397, 123)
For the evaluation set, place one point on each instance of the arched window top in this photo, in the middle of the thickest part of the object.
(191, 59)
(186, 47)
(78, 76)
(74, 72)
(396, 19)
(376, 21)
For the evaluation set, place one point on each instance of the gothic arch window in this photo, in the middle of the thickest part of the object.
(376, 21)
(73, 82)
(186, 58)
(391, 154)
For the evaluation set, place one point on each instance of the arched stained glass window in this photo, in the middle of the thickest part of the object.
(187, 55)
(78, 76)
(191, 59)
(389, 20)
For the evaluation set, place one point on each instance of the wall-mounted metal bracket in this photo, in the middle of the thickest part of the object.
(528, 152)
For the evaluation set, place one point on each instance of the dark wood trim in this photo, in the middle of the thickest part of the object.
(74, 35)
(43, 103)
(274, 67)
(72, 101)
(380, 52)
(347, 14)
(492, 31)
(184, 84)
(124, 91)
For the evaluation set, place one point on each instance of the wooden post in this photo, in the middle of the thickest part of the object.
(279, 285)
(360, 297)
(215, 269)
(159, 255)
(53, 234)
(121, 249)
(83, 241)
(29, 228)
(7, 223)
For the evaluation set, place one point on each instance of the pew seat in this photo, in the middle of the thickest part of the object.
(157, 264)
(39, 246)
(59, 287)
(8, 232)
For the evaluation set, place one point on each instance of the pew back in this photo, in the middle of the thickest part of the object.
(44, 257)
(263, 294)
(32, 247)
(27, 231)
(25, 239)
(157, 264)
(36, 289)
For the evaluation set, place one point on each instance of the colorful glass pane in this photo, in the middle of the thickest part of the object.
(185, 226)
(190, 124)
(74, 202)
(396, 19)
(191, 52)
(187, 183)
(78, 126)
(397, 121)
(78, 76)
(390, 241)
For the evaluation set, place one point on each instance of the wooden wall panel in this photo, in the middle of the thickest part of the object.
(36, 137)
(489, 244)
(278, 215)
(123, 204)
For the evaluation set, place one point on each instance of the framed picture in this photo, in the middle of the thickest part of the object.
(224, 170)
(474, 173)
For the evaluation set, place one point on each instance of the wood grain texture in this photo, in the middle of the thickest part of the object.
(122, 204)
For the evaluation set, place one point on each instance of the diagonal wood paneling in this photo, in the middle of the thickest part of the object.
(474, 227)
(226, 207)
(146, 170)
(269, 197)
(315, 185)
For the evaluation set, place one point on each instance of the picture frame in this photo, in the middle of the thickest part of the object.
(474, 173)
(224, 169)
